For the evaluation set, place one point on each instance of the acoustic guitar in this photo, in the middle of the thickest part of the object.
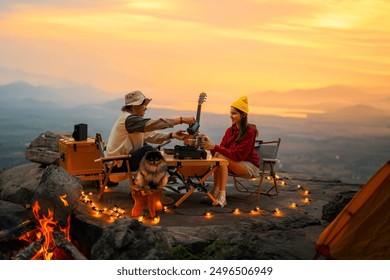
(193, 129)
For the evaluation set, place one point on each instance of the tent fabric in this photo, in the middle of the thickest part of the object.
(361, 231)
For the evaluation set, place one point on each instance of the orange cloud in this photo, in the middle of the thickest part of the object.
(171, 48)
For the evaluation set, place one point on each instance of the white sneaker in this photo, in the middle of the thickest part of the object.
(221, 198)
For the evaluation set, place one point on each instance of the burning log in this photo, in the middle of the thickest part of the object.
(30, 251)
(67, 246)
(9, 234)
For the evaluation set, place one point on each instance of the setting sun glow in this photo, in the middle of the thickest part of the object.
(172, 48)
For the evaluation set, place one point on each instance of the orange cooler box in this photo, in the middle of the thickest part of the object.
(78, 157)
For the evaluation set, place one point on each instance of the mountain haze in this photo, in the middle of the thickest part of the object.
(64, 96)
(327, 98)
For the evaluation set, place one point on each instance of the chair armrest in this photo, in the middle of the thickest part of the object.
(271, 160)
(110, 158)
(265, 142)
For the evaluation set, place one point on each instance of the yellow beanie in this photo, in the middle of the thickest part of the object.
(241, 104)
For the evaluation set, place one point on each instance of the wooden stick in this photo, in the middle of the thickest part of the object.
(9, 234)
(67, 246)
(30, 251)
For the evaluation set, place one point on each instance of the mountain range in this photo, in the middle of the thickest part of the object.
(348, 138)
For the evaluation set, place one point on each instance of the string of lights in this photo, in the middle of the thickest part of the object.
(116, 212)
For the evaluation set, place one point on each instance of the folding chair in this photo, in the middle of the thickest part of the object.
(108, 164)
(267, 152)
(141, 198)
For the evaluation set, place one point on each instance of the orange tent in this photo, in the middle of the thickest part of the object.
(361, 231)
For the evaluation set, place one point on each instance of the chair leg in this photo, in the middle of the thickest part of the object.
(275, 185)
(154, 203)
(103, 183)
(261, 180)
(131, 178)
(240, 187)
(139, 203)
(151, 200)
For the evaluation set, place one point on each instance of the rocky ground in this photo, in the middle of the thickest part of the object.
(270, 228)
(244, 235)
(184, 232)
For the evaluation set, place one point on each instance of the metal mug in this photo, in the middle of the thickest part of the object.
(199, 140)
(192, 142)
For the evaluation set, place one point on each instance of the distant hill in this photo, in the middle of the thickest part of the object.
(64, 96)
(327, 98)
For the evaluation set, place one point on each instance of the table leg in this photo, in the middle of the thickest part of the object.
(212, 198)
(193, 188)
(184, 197)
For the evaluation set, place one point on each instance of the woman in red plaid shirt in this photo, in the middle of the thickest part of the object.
(237, 146)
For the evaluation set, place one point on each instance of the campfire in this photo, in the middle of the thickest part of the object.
(61, 218)
(43, 238)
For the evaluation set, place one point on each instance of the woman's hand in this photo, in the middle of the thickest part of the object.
(207, 144)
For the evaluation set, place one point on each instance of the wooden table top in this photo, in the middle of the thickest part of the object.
(171, 161)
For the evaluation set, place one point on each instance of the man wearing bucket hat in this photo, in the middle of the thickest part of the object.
(132, 132)
(237, 146)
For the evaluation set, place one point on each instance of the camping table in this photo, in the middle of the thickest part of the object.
(185, 169)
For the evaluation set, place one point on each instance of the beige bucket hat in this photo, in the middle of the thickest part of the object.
(135, 97)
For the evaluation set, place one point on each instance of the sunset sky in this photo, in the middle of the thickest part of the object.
(175, 49)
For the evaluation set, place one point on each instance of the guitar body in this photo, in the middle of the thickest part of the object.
(194, 128)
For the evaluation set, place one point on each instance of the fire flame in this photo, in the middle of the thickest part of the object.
(46, 228)
(64, 201)
(47, 225)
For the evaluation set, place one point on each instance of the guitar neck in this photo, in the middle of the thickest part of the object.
(198, 113)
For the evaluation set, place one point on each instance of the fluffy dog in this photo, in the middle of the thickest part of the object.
(152, 173)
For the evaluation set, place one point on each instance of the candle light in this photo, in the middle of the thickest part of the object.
(208, 214)
(277, 212)
(166, 209)
(293, 205)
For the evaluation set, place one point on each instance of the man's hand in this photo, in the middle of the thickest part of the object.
(179, 135)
